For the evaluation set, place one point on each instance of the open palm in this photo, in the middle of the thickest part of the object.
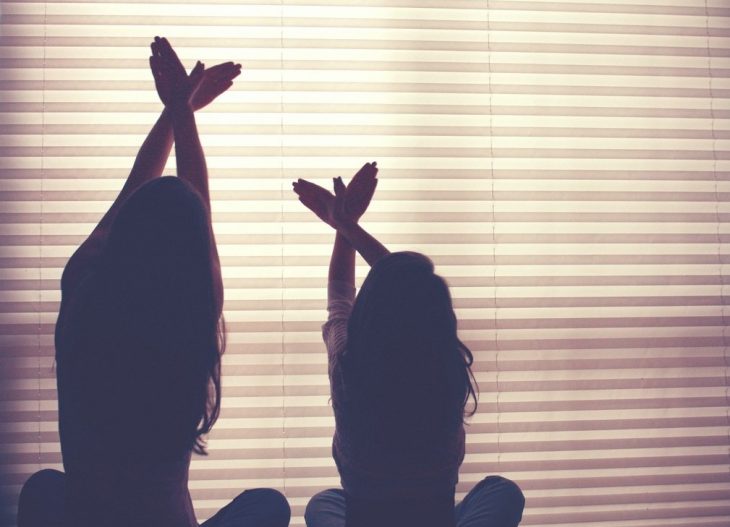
(215, 81)
(358, 195)
(360, 191)
(170, 75)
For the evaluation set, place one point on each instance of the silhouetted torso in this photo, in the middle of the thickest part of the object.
(387, 463)
(119, 469)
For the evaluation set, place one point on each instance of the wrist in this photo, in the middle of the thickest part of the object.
(179, 107)
(345, 226)
(340, 238)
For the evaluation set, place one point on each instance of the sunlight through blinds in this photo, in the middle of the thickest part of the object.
(564, 163)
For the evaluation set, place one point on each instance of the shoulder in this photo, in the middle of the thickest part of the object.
(81, 264)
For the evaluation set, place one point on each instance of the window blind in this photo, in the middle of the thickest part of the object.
(564, 163)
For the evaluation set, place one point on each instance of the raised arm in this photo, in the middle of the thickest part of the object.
(363, 242)
(342, 212)
(182, 95)
(345, 220)
(151, 158)
(149, 164)
(191, 165)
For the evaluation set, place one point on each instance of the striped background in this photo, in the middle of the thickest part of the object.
(564, 163)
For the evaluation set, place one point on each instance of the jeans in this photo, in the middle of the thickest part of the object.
(493, 502)
(42, 504)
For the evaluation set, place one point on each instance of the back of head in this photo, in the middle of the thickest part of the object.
(149, 331)
(159, 237)
(405, 366)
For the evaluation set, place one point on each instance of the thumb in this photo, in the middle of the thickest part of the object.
(339, 202)
(197, 74)
(339, 187)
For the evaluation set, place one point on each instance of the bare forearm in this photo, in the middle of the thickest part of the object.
(191, 165)
(149, 164)
(363, 242)
(342, 263)
(152, 156)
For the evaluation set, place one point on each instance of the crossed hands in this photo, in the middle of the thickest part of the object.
(176, 88)
(348, 202)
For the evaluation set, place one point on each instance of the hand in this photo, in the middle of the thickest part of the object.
(354, 201)
(173, 84)
(166, 68)
(360, 191)
(315, 198)
(329, 208)
(339, 217)
(184, 90)
(215, 81)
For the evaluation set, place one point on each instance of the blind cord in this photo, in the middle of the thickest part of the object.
(281, 204)
(40, 230)
(494, 240)
(720, 266)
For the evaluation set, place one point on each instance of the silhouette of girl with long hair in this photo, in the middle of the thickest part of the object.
(400, 384)
(139, 339)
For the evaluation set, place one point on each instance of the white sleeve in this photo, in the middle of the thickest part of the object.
(340, 297)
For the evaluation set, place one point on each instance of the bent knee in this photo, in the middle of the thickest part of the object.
(327, 506)
(42, 496)
(509, 495)
(42, 483)
(273, 503)
(505, 486)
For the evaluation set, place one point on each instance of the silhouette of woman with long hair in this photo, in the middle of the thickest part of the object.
(139, 339)
(400, 384)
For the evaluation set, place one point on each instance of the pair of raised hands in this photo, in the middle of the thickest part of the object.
(178, 89)
(347, 204)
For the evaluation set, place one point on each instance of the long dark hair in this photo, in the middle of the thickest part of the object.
(148, 327)
(404, 361)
